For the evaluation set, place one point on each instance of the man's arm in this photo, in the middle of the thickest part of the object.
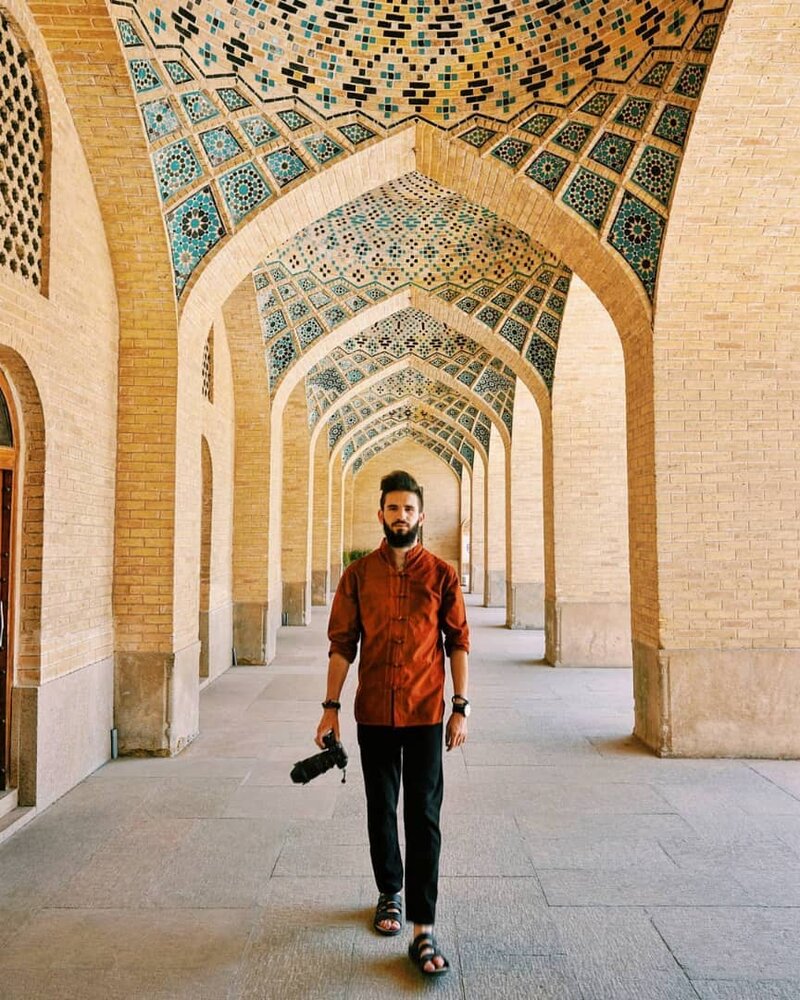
(457, 724)
(338, 667)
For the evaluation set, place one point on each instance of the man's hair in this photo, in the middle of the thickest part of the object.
(399, 481)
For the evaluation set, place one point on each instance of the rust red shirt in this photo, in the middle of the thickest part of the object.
(405, 620)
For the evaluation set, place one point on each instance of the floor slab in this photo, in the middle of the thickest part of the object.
(574, 863)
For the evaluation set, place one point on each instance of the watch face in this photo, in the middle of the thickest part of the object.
(466, 708)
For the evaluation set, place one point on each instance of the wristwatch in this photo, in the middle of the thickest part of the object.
(330, 703)
(461, 705)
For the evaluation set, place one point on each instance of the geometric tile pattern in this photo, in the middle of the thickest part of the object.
(589, 194)
(408, 232)
(409, 413)
(421, 437)
(408, 333)
(441, 63)
(176, 167)
(547, 169)
(22, 169)
(673, 124)
(159, 119)
(613, 151)
(662, 51)
(194, 228)
(655, 173)
(220, 145)
(243, 189)
(636, 233)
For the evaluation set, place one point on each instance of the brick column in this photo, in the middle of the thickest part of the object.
(321, 523)
(525, 516)
(717, 646)
(251, 502)
(466, 517)
(336, 514)
(477, 580)
(494, 591)
(295, 509)
(589, 616)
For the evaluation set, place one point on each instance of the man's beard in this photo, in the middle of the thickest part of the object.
(401, 539)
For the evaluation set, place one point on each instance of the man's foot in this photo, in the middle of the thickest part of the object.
(388, 914)
(424, 953)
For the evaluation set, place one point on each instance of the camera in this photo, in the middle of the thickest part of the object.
(334, 754)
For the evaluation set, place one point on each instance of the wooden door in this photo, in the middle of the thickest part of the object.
(8, 438)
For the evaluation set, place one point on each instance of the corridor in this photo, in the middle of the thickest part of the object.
(575, 864)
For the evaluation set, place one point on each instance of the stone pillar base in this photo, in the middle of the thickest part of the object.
(494, 593)
(156, 701)
(216, 654)
(319, 588)
(588, 633)
(250, 632)
(61, 732)
(525, 605)
(717, 703)
(335, 575)
(296, 601)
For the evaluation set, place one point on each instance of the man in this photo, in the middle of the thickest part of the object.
(398, 602)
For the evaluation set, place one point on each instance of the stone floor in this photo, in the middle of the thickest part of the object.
(575, 865)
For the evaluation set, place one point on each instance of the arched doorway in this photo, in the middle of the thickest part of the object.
(8, 460)
(205, 556)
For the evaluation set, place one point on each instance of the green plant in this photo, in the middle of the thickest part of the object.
(352, 554)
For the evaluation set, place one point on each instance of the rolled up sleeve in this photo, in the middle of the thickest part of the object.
(453, 616)
(344, 624)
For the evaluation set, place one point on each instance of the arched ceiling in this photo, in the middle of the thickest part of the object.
(394, 61)
(464, 376)
(590, 103)
(411, 232)
(587, 102)
(402, 433)
(412, 414)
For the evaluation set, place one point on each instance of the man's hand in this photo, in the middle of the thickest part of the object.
(456, 734)
(328, 722)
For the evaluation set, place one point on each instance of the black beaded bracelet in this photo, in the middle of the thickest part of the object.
(330, 703)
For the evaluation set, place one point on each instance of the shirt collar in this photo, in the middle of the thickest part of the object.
(412, 554)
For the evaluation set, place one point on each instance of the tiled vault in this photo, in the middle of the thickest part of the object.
(411, 233)
(354, 462)
(471, 369)
(589, 103)
(353, 427)
(440, 62)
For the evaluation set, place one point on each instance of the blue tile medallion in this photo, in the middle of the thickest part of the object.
(178, 73)
(144, 75)
(589, 195)
(285, 165)
(220, 145)
(194, 228)
(159, 119)
(322, 148)
(198, 106)
(258, 130)
(176, 167)
(655, 173)
(244, 189)
(613, 151)
(636, 233)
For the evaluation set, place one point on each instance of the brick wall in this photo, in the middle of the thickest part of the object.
(440, 488)
(589, 455)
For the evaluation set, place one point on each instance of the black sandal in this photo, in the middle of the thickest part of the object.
(389, 907)
(424, 949)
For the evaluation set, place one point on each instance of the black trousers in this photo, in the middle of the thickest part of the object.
(415, 753)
